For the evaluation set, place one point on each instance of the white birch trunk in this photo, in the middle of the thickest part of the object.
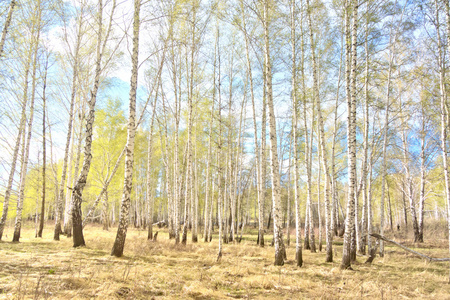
(59, 199)
(349, 247)
(119, 243)
(322, 142)
(298, 235)
(276, 186)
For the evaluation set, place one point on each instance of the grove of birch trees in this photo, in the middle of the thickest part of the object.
(317, 119)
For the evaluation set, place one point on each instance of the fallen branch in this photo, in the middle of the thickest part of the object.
(380, 237)
(160, 224)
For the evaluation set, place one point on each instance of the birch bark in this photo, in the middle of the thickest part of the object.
(323, 149)
(119, 243)
(276, 187)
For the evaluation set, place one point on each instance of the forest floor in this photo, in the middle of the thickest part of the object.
(41, 268)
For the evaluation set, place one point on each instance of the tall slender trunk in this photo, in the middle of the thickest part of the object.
(319, 182)
(119, 243)
(255, 129)
(195, 192)
(26, 145)
(237, 185)
(384, 153)
(44, 176)
(389, 207)
(263, 168)
(168, 184)
(422, 176)
(38, 193)
(349, 248)
(409, 186)
(20, 200)
(364, 219)
(77, 193)
(308, 137)
(219, 152)
(209, 196)
(276, 187)
(19, 138)
(149, 192)
(228, 236)
(322, 141)
(67, 213)
(369, 207)
(288, 186)
(444, 108)
(59, 199)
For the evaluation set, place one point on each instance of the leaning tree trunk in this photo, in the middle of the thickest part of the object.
(18, 221)
(12, 4)
(77, 193)
(26, 145)
(119, 242)
(15, 155)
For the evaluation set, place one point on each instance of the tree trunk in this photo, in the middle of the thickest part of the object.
(298, 236)
(444, 109)
(349, 247)
(77, 193)
(15, 155)
(59, 200)
(119, 242)
(422, 176)
(219, 152)
(276, 187)
(12, 4)
(329, 236)
(105, 212)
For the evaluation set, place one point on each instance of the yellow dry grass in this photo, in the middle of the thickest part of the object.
(45, 269)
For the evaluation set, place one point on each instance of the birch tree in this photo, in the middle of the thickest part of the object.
(322, 143)
(351, 138)
(75, 55)
(275, 175)
(77, 193)
(119, 242)
(295, 109)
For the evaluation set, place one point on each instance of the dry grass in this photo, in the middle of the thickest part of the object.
(43, 268)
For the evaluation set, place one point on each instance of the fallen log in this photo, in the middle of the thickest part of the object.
(380, 237)
(160, 224)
